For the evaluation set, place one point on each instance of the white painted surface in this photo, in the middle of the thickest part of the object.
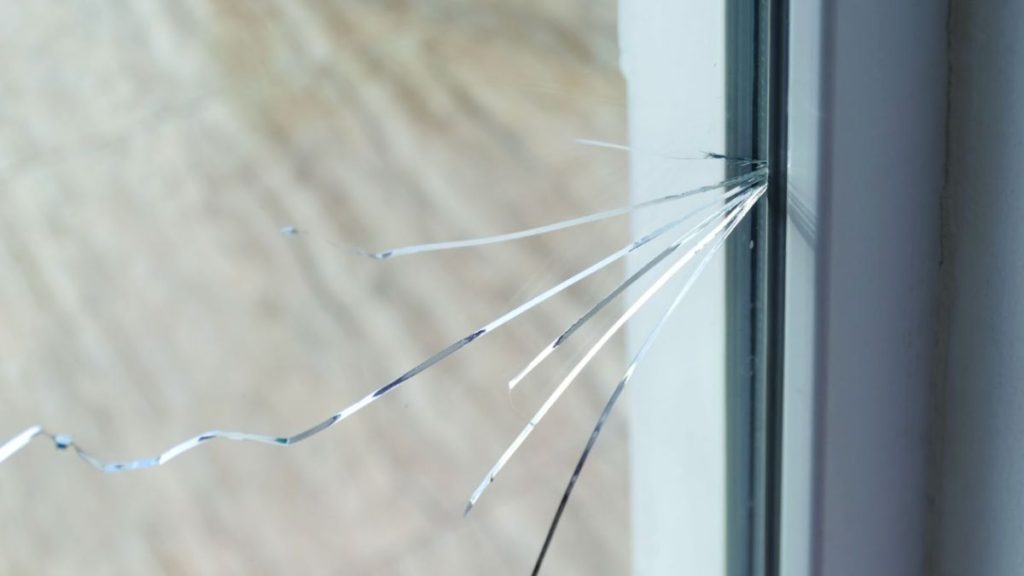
(885, 178)
(805, 139)
(981, 498)
(673, 59)
(873, 108)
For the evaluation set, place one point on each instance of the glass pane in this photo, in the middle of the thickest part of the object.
(200, 213)
(150, 152)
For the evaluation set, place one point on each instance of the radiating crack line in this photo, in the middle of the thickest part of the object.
(64, 442)
(739, 161)
(596, 308)
(390, 253)
(626, 377)
(625, 317)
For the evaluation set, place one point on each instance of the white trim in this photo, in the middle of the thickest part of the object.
(866, 134)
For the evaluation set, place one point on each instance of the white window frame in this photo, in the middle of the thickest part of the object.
(867, 104)
(866, 109)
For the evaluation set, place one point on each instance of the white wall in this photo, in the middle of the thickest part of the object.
(981, 470)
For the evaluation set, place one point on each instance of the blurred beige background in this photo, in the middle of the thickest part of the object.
(149, 152)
